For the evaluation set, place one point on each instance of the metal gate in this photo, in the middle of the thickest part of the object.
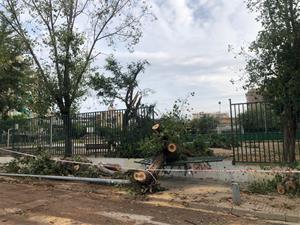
(257, 134)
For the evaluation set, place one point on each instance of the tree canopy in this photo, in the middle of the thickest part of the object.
(15, 77)
(120, 84)
(64, 38)
(274, 65)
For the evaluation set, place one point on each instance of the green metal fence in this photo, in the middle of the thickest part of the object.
(258, 133)
(105, 133)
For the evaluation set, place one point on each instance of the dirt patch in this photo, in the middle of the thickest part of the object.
(45, 202)
(211, 192)
(226, 153)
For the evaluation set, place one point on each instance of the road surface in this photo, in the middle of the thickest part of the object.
(43, 202)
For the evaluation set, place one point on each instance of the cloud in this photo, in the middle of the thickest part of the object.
(187, 50)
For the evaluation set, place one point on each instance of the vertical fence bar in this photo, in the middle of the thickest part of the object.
(236, 129)
(232, 133)
(260, 137)
(267, 126)
(240, 131)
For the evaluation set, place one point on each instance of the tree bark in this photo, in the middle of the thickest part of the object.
(149, 177)
(67, 124)
(145, 177)
(289, 135)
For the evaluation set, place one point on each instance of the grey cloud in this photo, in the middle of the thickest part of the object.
(187, 49)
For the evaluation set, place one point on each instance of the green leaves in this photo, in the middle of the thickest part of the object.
(15, 79)
(204, 125)
(65, 37)
(275, 67)
(119, 83)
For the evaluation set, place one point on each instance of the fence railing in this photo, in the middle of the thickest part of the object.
(257, 133)
(103, 133)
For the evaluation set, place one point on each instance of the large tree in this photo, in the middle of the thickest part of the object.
(121, 84)
(15, 79)
(64, 37)
(274, 66)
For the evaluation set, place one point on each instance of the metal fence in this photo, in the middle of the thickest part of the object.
(257, 134)
(105, 133)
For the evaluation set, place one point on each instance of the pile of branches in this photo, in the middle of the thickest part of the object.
(283, 184)
(289, 184)
(43, 164)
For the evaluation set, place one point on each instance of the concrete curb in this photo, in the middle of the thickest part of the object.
(286, 217)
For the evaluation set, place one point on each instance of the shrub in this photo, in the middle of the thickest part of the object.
(219, 141)
(198, 147)
(204, 125)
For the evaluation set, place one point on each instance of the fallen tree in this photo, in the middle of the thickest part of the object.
(42, 164)
(150, 175)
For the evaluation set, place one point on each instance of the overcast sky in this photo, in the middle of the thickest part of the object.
(187, 48)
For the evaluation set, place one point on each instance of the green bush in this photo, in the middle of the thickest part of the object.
(198, 147)
(220, 141)
(204, 125)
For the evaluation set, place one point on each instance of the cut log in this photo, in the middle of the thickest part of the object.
(156, 128)
(280, 189)
(76, 167)
(140, 176)
(172, 147)
(149, 176)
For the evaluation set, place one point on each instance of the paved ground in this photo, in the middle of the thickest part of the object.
(44, 202)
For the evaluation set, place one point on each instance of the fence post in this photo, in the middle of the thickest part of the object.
(13, 139)
(51, 132)
(232, 134)
(236, 194)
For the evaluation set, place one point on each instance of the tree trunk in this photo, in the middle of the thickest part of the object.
(67, 123)
(149, 177)
(126, 119)
(289, 135)
(145, 177)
